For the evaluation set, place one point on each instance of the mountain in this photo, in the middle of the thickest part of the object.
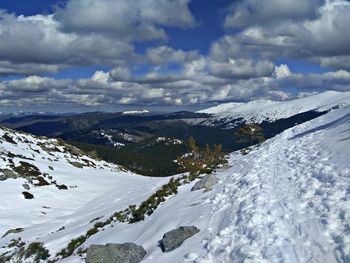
(285, 200)
(267, 110)
(131, 139)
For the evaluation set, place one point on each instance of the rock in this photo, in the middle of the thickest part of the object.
(174, 238)
(13, 231)
(62, 187)
(26, 186)
(28, 195)
(207, 182)
(77, 164)
(9, 173)
(115, 253)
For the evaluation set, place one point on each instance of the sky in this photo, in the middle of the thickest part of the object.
(168, 55)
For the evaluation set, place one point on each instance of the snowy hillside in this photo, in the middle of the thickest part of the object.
(260, 110)
(286, 201)
(69, 190)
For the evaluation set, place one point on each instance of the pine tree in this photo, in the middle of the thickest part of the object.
(251, 133)
(192, 145)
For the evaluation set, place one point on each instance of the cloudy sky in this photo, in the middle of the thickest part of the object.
(87, 55)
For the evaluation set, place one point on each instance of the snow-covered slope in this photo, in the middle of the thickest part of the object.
(260, 110)
(95, 189)
(132, 112)
(286, 201)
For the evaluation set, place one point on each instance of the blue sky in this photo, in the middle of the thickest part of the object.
(82, 55)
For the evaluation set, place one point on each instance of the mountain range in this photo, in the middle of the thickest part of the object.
(286, 198)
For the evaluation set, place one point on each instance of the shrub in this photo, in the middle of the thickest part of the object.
(27, 170)
(72, 245)
(200, 161)
(38, 250)
(8, 138)
(251, 133)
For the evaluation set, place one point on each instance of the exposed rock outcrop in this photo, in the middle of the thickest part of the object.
(115, 253)
(207, 183)
(174, 238)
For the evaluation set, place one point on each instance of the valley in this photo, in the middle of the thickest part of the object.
(286, 197)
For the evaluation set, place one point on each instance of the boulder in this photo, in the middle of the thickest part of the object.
(174, 238)
(115, 253)
(9, 174)
(26, 186)
(28, 195)
(207, 183)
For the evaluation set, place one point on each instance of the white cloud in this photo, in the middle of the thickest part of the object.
(126, 19)
(282, 71)
(253, 12)
(241, 68)
(165, 55)
(321, 38)
(35, 44)
(101, 76)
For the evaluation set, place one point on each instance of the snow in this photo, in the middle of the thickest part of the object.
(111, 141)
(261, 110)
(285, 201)
(169, 140)
(131, 112)
(92, 192)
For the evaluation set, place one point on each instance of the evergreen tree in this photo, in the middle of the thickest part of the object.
(251, 133)
(200, 160)
(192, 145)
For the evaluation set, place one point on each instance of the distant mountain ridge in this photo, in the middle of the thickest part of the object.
(132, 140)
(258, 111)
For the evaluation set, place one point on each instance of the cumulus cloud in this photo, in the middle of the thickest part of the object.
(253, 12)
(165, 55)
(29, 43)
(129, 19)
(319, 38)
(239, 66)
(103, 91)
(89, 32)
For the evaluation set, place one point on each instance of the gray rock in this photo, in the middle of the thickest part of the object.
(26, 186)
(174, 238)
(9, 173)
(28, 195)
(207, 183)
(115, 253)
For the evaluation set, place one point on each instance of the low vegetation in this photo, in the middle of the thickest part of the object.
(250, 134)
(197, 162)
(35, 251)
(146, 158)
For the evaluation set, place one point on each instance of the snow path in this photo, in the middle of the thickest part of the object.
(285, 202)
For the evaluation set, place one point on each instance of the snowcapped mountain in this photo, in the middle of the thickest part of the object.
(285, 201)
(268, 110)
(135, 112)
